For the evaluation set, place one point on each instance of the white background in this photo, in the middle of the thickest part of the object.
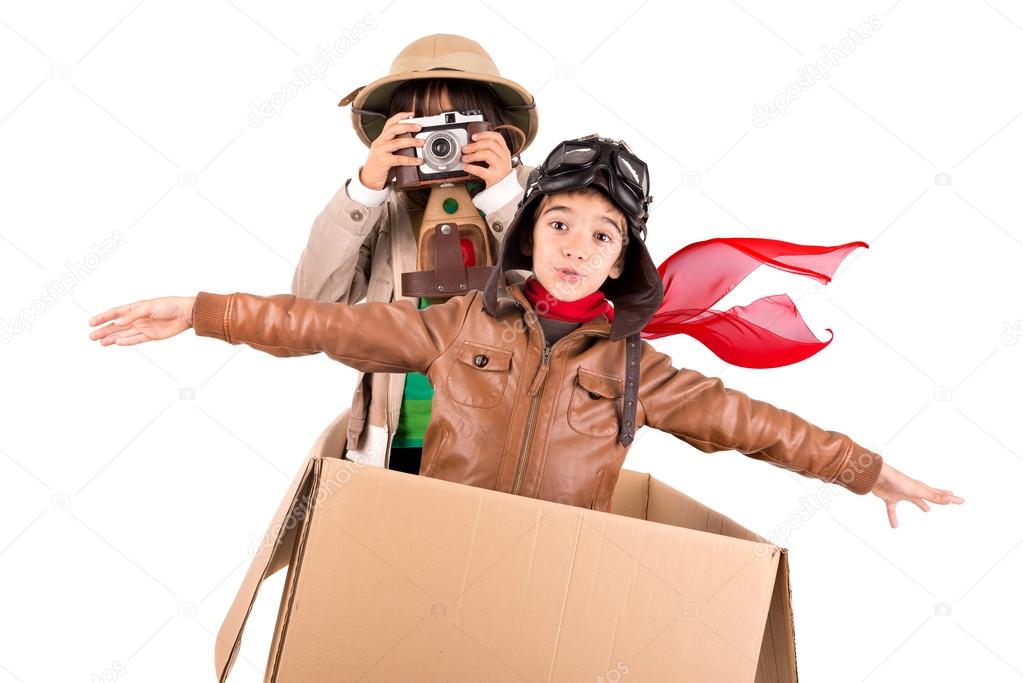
(135, 481)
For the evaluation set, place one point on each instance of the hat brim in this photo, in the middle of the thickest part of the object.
(376, 97)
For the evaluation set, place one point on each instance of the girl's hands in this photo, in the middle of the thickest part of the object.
(382, 158)
(143, 321)
(893, 486)
(488, 146)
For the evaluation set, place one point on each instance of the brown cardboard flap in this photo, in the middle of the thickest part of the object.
(778, 650)
(276, 548)
(641, 495)
(631, 494)
(276, 544)
(308, 503)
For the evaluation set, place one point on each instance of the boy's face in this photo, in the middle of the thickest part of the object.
(577, 240)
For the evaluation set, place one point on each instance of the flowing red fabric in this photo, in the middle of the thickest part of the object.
(767, 333)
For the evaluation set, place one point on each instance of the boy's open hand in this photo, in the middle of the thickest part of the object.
(143, 321)
(893, 486)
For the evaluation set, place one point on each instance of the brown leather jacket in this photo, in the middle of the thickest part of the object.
(510, 416)
(357, 251)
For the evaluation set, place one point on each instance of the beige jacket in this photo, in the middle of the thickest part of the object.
(355, 252)
(513, 415)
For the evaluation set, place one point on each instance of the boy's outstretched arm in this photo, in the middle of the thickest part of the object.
(701, 411)
(143, 321)
(371, 336)
(894, 487)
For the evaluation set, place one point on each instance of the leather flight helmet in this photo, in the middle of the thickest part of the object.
(610, 165)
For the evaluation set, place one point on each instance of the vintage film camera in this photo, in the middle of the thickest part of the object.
(444, 134)
(456, 252)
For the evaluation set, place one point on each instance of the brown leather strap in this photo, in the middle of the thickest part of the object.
(350, 97)
(450, 276)
(450, 268)
(627, 430)
(424, 283)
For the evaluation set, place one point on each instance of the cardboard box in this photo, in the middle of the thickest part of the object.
(395, 577)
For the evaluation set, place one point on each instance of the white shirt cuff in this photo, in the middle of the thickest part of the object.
(496, 196)
(358, 192)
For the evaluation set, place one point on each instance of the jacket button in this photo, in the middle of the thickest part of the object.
(594, 395)
(498, 226)
(356, 215)
(480, 360)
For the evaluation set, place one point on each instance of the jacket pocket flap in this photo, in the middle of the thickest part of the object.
(483, 357)
(608, 387)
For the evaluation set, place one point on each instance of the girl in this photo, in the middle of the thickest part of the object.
(539, 391)
(366, 237)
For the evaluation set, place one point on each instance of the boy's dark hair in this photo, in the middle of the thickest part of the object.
(526, 237)
(424, 97)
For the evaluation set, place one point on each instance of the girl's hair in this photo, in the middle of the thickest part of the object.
(424, 97)
(526, 236)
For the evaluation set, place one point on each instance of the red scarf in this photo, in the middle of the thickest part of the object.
(767, 333)
(581, 311)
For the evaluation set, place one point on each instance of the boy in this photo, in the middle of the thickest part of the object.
(539, 392)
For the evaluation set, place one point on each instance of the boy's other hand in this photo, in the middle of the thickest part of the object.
(143, 321)
(893, 487)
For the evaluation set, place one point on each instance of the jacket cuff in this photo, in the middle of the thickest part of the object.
(368, 197)
(498, 195)
(861, 470)
(209, 315)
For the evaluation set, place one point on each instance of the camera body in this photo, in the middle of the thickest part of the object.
(441, 154)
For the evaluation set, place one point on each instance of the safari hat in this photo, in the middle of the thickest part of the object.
(441, 55)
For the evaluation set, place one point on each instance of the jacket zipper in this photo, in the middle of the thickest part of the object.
(536, 390)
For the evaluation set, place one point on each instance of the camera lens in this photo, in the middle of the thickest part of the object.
(441, 147)
(441, 150)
